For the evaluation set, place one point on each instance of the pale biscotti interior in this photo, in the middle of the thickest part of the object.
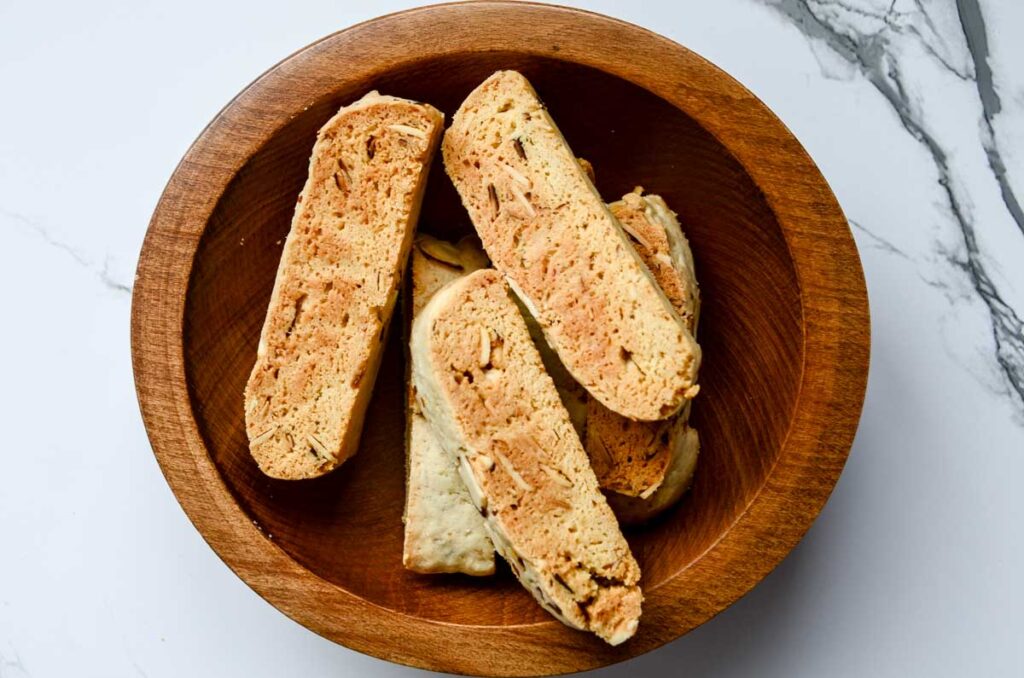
(484, 390)
(336, 285)
(444, 532)
(545, 227)
(632, 457)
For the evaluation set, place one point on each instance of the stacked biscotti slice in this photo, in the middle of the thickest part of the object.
(444, 531)
(484, 390)
(547, 230)
(646, 466)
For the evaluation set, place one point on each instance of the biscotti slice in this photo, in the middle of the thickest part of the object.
(685, 450)
(484, 391)
(634, 458)
(444, 532)
(336, 285)
(547, 230)
(658, 238)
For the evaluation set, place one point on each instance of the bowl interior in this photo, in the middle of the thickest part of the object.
(346, 527)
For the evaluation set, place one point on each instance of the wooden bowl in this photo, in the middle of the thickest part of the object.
(784, 329)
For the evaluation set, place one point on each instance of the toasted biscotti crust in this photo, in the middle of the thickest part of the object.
(336, 285)
(545, 227)
(444, 532)
(633, 458)
(484, 390)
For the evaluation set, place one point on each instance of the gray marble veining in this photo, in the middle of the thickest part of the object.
(976, 34)
(868, 38)
(101, 272)
(12, 666)
(878, 242)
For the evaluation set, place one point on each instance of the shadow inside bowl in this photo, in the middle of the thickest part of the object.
(347, 527)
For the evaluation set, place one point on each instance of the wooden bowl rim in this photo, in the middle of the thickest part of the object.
(833, 297)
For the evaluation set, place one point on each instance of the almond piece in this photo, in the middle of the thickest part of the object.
(411, 131)
(263, 436)
(511, 470)
(441, 251)
(515, 175)
(485, 346)
(320, 448)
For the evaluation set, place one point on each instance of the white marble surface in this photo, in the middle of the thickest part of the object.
(908, 572)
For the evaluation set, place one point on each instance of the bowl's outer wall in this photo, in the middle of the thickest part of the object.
(784, 329)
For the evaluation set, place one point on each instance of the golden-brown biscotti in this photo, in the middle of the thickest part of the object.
(444, 532)
(678, 478)
(483, 388)
(634, 458)
(563, 252)
(336, 285)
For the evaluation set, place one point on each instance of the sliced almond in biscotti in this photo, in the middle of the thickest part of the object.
(336, 285)
(547, 230)
(444, 532)
(520, 457)
(634, 458)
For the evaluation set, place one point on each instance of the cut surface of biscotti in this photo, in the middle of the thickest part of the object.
(633, 458)
(678, 478)
(547, 230)
(336, 285)
(444, 532)
(483, 388)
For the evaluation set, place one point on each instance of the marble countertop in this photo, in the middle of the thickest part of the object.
(914, 111)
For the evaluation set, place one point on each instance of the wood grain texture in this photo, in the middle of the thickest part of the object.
(784, 329)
